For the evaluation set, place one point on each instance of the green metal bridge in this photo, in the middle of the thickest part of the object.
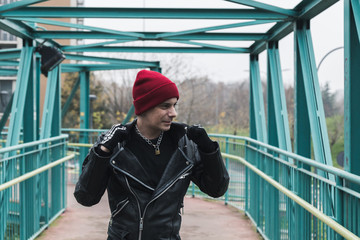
(284, 191)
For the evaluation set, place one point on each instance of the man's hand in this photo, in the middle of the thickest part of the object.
(112, 137)
(199, 136)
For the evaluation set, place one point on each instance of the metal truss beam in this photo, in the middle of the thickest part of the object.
(309, 84)
(152, 36)
(263, 6)
(159, 49)
(278, 123)
(113, 60)
(352, 88)
(78, 26)
(15, 125)
(148, 13)
(257, 109)
(18, 4)
(18, 29)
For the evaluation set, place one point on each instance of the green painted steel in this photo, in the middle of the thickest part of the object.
(302, 143)
(309, 83)
(257, 110)
(6, 113)
(318, 184)
(312, 93)
(24, 218)
(162, 49)
(267, 7)
(70, 98)
(157, 13)
(352, 88)
(247, 189)
(84, 110)
(8, 169)
(253, 150)
(151, 36)
(278, 110)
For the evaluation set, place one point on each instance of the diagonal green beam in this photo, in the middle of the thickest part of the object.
(356, 15)
(6, 113)
(78, 26)
(201, 30)
(310, 9)
(257, 110)
(276, 33)
(278, 97)
(18, 29)
(233, 49)
(313, 97)
(18, 4)
(263, 6)
(70, 98)
(151, 13)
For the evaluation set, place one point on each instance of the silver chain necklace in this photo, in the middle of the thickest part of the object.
(157, 146)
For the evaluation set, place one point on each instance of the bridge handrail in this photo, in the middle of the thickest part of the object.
(35, 172)
(310, 208)
(341, 173)
(32, 144)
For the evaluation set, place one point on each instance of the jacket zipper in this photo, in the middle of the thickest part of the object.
(142, 216)
(116, 212)
(182, 176)
(138, 204)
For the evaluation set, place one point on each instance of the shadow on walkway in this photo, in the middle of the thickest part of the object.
(202, 220)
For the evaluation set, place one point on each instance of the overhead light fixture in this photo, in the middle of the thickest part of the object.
(51, 57)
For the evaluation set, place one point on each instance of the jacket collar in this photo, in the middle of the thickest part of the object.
(178, 163)
(177, 130)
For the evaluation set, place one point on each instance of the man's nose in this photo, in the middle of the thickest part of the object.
(172, 112)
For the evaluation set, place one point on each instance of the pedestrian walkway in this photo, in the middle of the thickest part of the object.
(202, 219)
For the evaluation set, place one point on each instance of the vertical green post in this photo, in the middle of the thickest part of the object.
(352, 88)
(56, 181)
(15, 125)
(27, 193)
(302, 140)
(84, 112)
(257, 110)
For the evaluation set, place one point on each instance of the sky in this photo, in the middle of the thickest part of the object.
(326, 30)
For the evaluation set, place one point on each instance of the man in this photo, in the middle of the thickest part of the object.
(147, 165)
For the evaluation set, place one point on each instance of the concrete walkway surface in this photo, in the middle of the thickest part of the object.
(202, 219)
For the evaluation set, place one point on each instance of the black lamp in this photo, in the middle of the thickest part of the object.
(50, 58)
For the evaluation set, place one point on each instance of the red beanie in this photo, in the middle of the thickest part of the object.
(150, 89)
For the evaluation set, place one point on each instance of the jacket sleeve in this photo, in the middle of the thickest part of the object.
(210, 173)
(93, 179)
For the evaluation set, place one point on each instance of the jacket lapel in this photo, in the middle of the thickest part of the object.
(179, 163)
(131, 167)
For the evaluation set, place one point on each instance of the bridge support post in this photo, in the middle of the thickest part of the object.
(352, 88)
(84, 112)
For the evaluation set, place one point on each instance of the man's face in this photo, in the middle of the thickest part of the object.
(160, 117)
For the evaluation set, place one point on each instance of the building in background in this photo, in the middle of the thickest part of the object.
(7, 83)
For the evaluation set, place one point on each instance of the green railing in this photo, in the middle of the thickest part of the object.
(32, 186)
(284, 195)
(279, 191)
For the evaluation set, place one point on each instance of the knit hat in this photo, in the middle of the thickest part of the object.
(150, 89)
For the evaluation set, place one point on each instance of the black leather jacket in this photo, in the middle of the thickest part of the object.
(138, 211)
